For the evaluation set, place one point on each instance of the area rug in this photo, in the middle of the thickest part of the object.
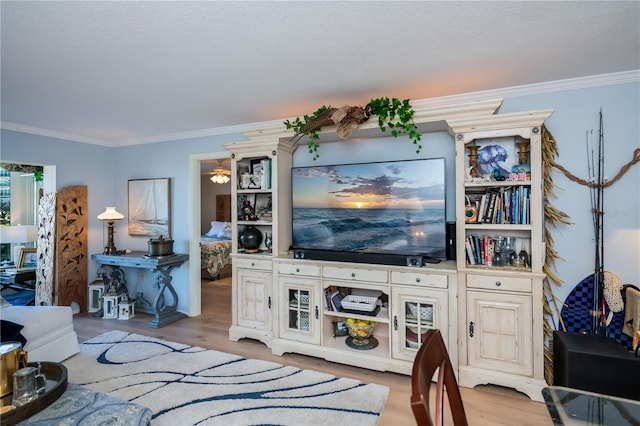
(187, 385)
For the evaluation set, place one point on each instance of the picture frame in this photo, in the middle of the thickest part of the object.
(340, 329)
(262, 205)
(250, 181)
(28, 256)
(149, 204)
(494, 153)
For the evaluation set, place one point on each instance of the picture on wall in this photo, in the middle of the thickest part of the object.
(150, 207)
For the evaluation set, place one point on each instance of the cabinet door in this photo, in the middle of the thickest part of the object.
(415, 312)
(254, 299)
(499, 332)
(300, 309)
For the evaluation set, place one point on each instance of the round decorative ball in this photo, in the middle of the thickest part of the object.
(250, 239)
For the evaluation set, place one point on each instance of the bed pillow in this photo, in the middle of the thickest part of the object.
(216, 228)
(225, 232)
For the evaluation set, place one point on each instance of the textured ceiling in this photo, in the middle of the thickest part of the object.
(125, 72)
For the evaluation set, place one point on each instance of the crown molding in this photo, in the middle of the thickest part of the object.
(5, 125)
(418, 104)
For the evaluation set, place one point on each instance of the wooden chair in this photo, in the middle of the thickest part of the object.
(433, 356)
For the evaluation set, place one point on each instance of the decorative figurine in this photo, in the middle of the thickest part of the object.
(247, 210)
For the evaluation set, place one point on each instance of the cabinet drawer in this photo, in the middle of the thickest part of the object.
(262, 264)
(354, 274)
(499, 283)
(417, 278)
(299, 269)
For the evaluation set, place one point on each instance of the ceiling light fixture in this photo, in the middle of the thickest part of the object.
(220, 175)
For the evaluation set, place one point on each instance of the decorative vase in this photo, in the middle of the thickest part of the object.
(250, 239)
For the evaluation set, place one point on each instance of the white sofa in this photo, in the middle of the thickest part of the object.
(48, 330)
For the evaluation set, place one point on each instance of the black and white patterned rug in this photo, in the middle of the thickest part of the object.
(186, 385)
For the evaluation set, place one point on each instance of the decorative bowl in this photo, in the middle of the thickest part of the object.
(426, 312)
(360, 330)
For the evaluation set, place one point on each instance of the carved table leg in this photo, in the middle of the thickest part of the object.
(165, 306)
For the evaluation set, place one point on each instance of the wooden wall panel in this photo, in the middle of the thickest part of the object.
(71, 246)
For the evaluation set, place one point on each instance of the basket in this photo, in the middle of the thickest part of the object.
(359, 303)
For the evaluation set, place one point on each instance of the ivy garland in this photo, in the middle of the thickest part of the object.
(392, 113)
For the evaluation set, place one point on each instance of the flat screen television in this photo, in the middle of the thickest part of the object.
(379, 212)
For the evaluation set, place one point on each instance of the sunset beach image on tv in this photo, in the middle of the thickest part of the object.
(394, 207)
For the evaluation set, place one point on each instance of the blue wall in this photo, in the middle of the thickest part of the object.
(106, 170)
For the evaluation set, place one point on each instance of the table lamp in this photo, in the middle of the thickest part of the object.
(18, 234)
(110, 215)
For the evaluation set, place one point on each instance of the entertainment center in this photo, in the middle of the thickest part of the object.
(288, 291)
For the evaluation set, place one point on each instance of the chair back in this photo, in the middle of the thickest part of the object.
(431, 357)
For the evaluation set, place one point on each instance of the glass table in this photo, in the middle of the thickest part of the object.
(568, 406)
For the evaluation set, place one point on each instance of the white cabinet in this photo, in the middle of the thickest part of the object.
(403, 302)
(300, 309)
(500, 250)
(252, 300)
(415, 311)
(499, 332)
(260, 200)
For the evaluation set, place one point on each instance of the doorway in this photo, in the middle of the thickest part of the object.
(203, 212)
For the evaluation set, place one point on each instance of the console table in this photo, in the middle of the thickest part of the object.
(164, 308)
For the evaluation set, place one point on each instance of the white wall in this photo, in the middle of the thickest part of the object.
(106, 171)
(209, 191)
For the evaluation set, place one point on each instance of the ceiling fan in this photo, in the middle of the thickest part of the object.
(220, 175)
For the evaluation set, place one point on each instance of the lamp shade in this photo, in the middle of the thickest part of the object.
(110, 214)
(18, 234)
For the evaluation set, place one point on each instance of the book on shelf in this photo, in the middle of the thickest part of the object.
(470, 255)
(336, 301)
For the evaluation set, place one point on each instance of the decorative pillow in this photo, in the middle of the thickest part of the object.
(11, 332)
(225, 232)
(216, 227)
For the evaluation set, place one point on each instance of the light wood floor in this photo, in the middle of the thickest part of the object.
(485, 405)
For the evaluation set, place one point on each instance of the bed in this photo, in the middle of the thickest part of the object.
(215, 249)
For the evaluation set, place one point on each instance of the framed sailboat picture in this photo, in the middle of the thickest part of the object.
(150, 207)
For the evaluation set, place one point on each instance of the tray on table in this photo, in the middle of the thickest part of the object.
(56, 375)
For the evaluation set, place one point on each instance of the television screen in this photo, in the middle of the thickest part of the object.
(394, 208)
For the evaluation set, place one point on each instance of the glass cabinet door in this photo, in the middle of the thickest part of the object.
(415, 312)
(298, 309)
(418, 320)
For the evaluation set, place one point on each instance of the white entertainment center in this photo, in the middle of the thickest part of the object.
(490, 315)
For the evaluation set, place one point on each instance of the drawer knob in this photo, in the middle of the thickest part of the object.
(297, 269)
(253, 264)
(498, 283)
(418, 279)
(353, 275)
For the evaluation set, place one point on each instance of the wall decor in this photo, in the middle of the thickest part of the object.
(71, 254)
(150, 207)
(46, 251)
(392, 114)
(27, 257)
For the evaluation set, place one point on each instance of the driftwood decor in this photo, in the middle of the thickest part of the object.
(392, 113)
(71, 246)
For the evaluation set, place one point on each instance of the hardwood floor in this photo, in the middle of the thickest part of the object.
(484, 405)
